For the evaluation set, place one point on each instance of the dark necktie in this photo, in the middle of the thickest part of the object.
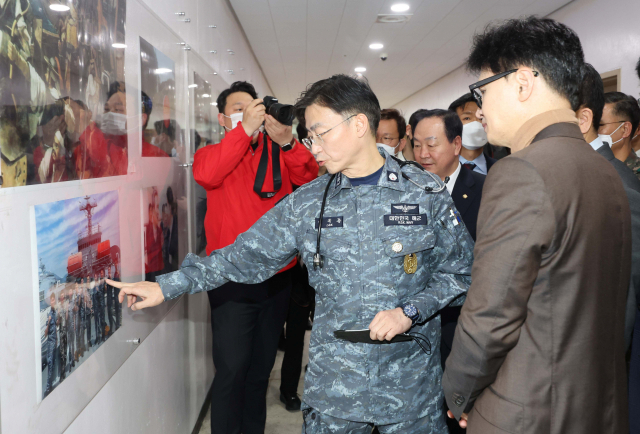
(469, 166)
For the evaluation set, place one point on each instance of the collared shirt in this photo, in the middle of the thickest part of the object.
(480, 161)
(369, 235)
(530, 129)
(597, 143)
(453, 178)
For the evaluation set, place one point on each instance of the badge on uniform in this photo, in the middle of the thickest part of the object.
(455, 217)
(405, 219)
(393, 176)
(330, 222)
(405, 208)
(410, 263)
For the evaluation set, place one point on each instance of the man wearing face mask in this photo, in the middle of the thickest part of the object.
(246, 318)
(114, 128)
(391, 133)
(476, 153)
(620, 119)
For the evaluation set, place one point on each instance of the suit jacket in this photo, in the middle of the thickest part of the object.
(632, 188)
(466, 195)
(539, 346)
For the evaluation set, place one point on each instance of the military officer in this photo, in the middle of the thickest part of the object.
(62, 332)
(50, 334)
(71, 312)
(93, 289)
(88, 308)
(387, 251)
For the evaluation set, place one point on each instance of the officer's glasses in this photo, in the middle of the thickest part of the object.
(475, 87)
(308, 142)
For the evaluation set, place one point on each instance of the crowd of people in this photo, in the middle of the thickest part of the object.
(84, 313)
(492, 246)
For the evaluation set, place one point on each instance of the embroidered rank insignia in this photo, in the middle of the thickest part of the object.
(410, 263)
(393, 176)
(330, 222)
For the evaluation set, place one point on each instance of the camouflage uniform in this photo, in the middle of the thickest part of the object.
(364, 273)
(633, 163)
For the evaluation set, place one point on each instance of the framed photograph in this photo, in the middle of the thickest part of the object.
(78, 247)
(60, 66)
(160, 215)
(161, 133)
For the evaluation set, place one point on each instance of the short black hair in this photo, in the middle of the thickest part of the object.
(452, 122)
(147, 107)
(624, 106)
(638, 68)
(543, 44)
(462, 101)
(115, 87)
(592, 93)
(301, 131)
(391, 114)
(344, 95)
(238, 86)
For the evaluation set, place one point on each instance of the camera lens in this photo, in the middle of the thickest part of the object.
(284, 113)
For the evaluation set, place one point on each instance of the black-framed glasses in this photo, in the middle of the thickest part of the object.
(308, 142)
(475, 87)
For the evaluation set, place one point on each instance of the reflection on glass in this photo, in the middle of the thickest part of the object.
(160, 233)
(78, 247)
(56, 69)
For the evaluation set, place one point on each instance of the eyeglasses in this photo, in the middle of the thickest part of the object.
(308, 142)
(475, 87)
(389, 140)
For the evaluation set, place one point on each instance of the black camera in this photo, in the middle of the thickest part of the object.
(284, 113)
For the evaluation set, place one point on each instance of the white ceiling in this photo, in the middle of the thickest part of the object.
(298, 42)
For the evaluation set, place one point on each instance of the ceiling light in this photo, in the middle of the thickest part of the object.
(191, 86)
(360, 69)
(162, 70)
(118, 45)
(214, 103)
(400, 7)
(59, 7)
(206, 95)
(376, 46)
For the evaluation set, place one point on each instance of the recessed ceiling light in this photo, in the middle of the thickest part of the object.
(191, 86)
(400, 7)
(118, 45)
(214, 103)
(162, 70)
(376, 46)
(59, 8)
(360, 69)
(206, 95)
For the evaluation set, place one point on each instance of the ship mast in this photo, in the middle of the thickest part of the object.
(87, 208)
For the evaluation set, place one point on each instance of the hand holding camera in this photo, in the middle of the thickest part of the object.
(253, 116)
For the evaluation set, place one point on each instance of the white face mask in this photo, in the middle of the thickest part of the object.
(391, 150)
(606, 138)
(235, 118)
(473, 136)
(114, 124)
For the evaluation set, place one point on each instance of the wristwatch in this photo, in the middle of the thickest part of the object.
(411, 312)
(289, 146)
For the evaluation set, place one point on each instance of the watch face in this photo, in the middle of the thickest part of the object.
(410, 310)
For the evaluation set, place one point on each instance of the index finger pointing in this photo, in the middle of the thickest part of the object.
(117, 284)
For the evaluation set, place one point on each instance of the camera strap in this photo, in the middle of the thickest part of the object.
(262, 169)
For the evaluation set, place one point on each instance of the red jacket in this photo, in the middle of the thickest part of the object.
(227, 171)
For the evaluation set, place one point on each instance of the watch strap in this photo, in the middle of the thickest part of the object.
(289, 146)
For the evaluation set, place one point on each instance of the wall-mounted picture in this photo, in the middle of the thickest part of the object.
(160, 215)
(61, 64)
(77, 248)
(161, 134)
(205, 129)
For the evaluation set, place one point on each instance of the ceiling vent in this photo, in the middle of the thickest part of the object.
(393, 18)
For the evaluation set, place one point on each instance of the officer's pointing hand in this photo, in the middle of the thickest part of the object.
(389, 323)
(149, 292)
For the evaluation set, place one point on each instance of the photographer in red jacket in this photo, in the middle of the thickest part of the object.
(243, 181)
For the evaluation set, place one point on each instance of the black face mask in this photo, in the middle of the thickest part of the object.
(262, 169)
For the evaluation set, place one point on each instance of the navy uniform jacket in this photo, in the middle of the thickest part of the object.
(363, 274)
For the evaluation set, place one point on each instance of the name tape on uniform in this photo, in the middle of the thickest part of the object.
(330, 222)
(405, 220)
(405, 208)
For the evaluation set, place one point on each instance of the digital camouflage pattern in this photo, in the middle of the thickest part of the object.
(364, 246)
(633, 163)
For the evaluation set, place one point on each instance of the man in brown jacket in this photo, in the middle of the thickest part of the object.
(539, 343)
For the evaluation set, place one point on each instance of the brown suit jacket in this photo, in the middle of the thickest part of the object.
(539, 346)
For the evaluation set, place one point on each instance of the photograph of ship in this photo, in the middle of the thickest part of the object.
(161, 133)
(77, 248)
(160, 232)
(61, 75)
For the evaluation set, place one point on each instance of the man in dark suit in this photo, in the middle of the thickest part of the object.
(539, 347)
(437, 145)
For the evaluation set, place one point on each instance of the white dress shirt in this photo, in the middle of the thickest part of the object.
(453, 178)
(597, 143)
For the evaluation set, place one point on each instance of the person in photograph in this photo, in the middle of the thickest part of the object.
(63, 301)
(88, 308)
(111, 302)
(93, 286)
(102, 295)
(153, 240)
(71, 312)
(51, 336)
(80, 326)
(148, 150)
(117, 306)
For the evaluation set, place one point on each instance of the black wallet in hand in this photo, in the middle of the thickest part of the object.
(362, 336)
